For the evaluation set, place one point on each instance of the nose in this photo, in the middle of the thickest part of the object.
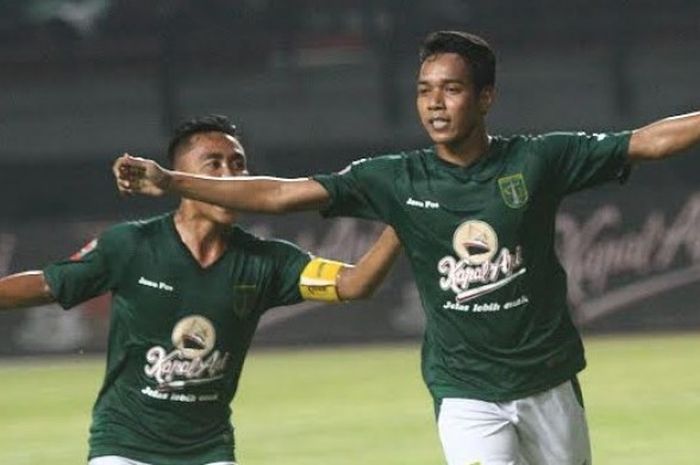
(436, 100)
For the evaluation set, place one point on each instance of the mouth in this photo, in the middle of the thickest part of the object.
(438, 123)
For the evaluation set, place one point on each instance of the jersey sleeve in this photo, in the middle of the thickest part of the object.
(92, 271)
(288, 262)
(360, 190)
(576, 161)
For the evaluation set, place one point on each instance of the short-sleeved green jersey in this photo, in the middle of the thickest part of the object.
(178, 334)
(480, 241)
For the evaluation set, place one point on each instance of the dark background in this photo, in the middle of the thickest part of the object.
(314, 85)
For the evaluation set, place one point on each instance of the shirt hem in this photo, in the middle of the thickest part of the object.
(182, 459)
(442, 392)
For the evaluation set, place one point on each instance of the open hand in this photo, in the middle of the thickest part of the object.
(135, 175)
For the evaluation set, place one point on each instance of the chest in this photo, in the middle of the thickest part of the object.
(439, 207)
(159, 291)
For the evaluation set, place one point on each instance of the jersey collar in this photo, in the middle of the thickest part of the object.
(487, 167)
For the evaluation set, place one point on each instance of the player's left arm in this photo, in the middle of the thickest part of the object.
(332, 281)
(665, 137)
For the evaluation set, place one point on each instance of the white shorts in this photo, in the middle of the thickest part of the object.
(116, 460)
(548, 428)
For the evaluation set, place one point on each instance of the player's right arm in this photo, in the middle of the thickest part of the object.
(241, 193)
(26, 289)
(90, 272)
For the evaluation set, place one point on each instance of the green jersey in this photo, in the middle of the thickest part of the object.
(480, 241)
(178, 335)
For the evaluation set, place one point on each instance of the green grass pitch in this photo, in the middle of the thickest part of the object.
(368, 405)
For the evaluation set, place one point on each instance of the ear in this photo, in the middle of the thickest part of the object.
(486, 98)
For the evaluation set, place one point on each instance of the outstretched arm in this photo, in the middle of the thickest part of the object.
(136, 175)
(24, 290)
(332, 281)
(363, 279)
(665, 137)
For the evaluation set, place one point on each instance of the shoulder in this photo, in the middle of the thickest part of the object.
(386, 162)
(256, 245)
(132, 232)
(561, 143)
(520, 145)
(556, 138)
(377, 170)
(517, 141)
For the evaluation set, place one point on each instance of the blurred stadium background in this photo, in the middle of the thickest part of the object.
(313, 85)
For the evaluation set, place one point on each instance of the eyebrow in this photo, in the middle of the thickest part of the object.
(444, 81)
(213, 155)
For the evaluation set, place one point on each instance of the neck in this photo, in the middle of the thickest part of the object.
(204, 238)
(466, 151)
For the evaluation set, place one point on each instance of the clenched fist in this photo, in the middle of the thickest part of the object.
(135, 175)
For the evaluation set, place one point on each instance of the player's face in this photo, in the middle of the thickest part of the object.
(448, 104)
(213, 154)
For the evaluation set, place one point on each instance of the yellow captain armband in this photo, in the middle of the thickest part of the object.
(318, 280)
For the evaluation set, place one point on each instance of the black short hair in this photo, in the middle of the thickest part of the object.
(197, 125)
(475, 51)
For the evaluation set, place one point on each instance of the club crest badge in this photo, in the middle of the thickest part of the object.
(244, 299)
(513, 190)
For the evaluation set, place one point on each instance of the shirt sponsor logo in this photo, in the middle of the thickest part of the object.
(487, 307)
(160, 285)
(513, 190)
(428, 204)
(190, 363)
(481, 267)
